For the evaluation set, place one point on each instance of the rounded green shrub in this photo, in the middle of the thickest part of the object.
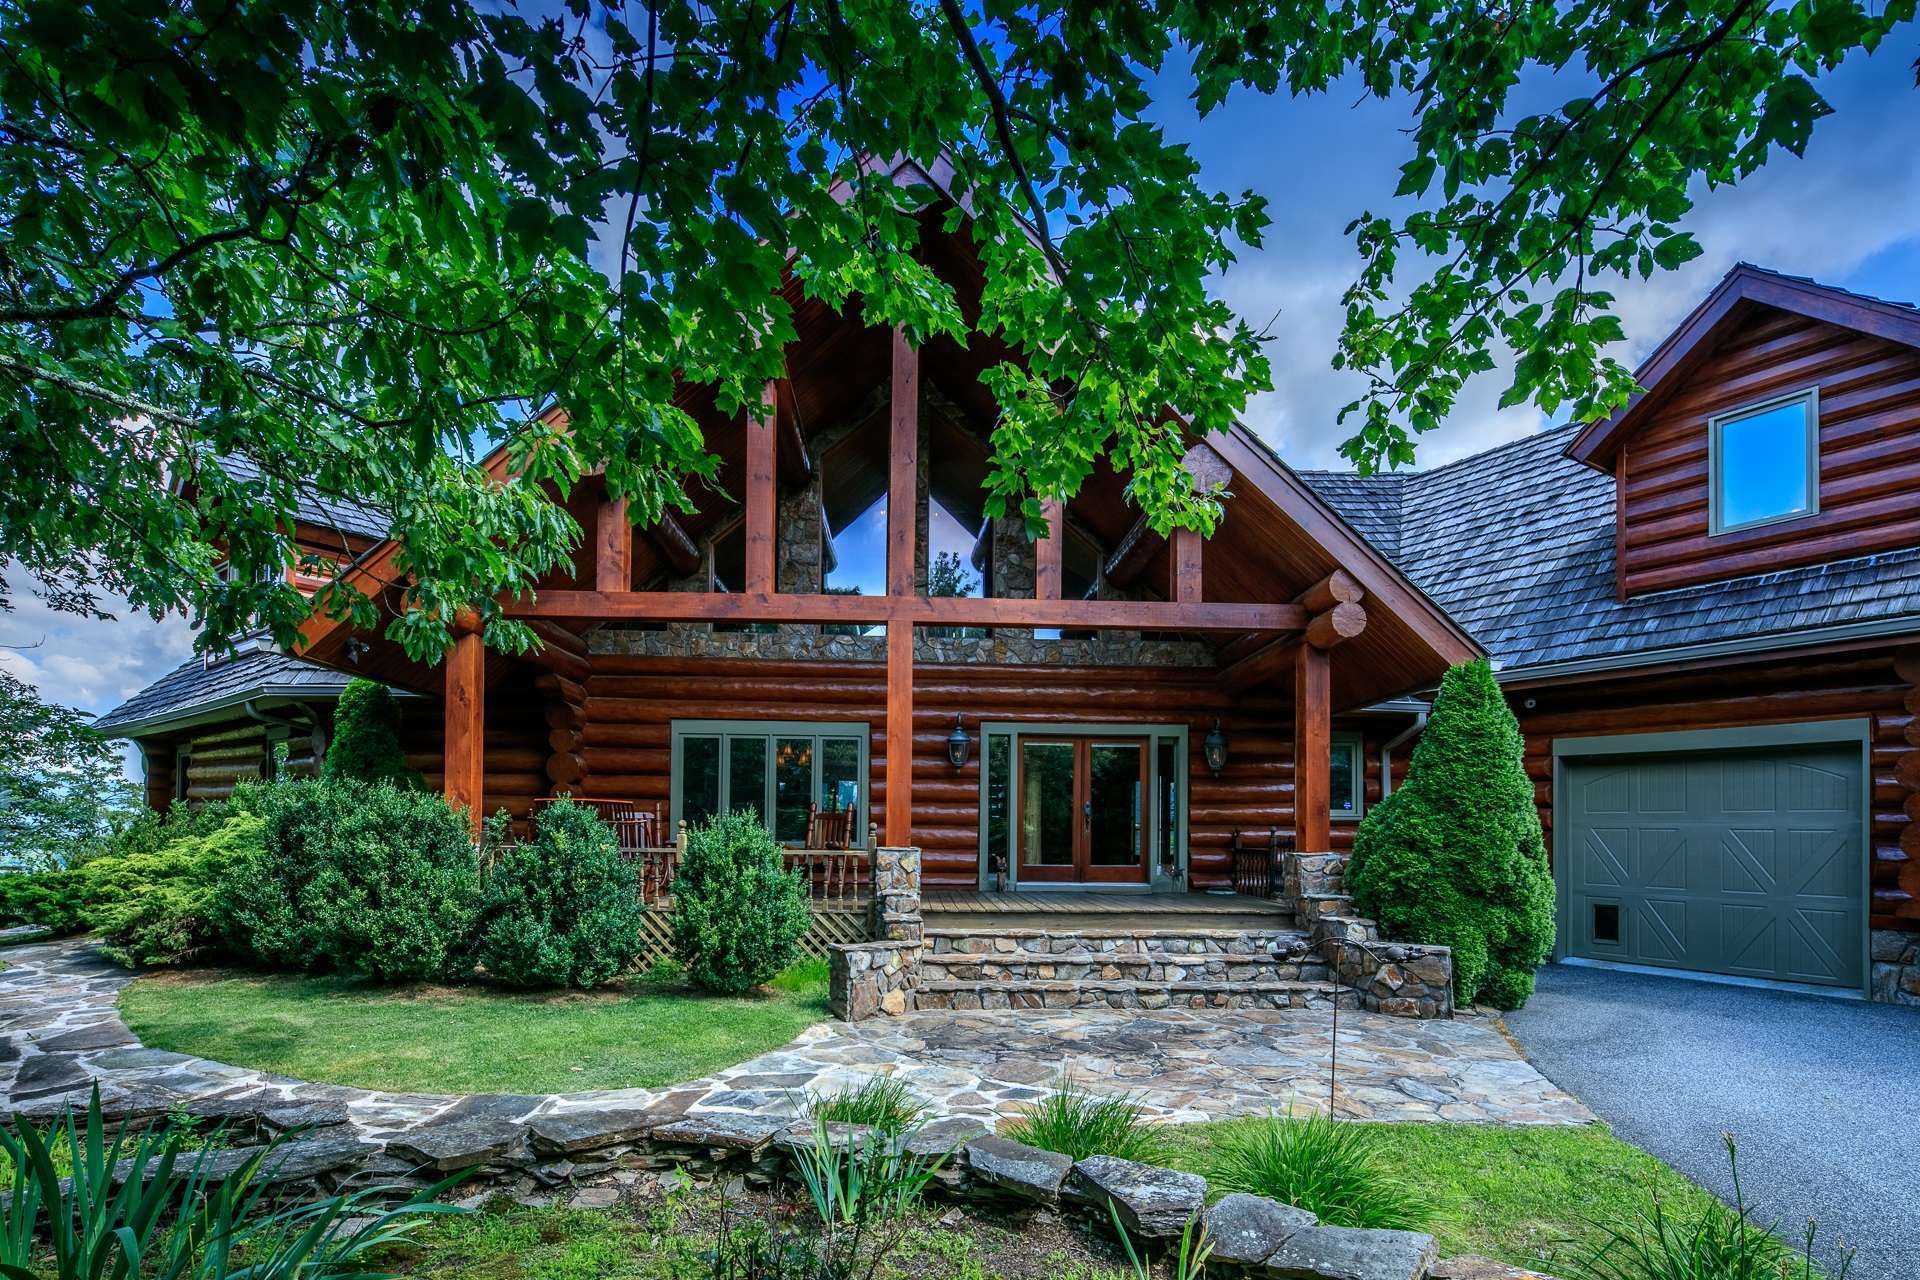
(1455, 856)
(561, 909)
(356, 879)
(738, 913)
(366, 738)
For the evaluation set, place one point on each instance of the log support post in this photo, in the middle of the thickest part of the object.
(762, 469)
(1185, 587)
(465, 728)
(1049, 551)
(903, 502)
(613, 547)
(1312, 750)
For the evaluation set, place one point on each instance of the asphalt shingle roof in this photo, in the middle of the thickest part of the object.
(318, 508)
(1516, 544)
(193, 687)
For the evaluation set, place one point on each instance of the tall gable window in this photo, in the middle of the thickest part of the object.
(1764, 461)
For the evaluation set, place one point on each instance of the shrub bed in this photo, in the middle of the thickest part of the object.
(563, 908)
(738, 913)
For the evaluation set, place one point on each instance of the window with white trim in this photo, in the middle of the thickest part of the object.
(1764, 462)
(776, 769)
(1346, 776)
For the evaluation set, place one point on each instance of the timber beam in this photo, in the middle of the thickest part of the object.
(1049, 552)
(1333, 614)
(1132, 554)
(762, 481)
(942, 611)
(612, 546)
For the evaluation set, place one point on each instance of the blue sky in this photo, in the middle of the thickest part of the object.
(1847, 214)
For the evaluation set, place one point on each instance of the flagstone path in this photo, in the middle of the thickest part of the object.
(61, 1033)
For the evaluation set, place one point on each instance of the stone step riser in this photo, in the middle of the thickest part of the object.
(992, 996)
(1036, 942)
(1136, 969)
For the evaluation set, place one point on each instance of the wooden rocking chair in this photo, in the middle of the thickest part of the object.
(829, 829)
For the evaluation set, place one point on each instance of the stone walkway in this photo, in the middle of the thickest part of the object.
(60, 1032)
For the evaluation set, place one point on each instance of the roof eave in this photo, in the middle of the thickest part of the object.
(1735, 647)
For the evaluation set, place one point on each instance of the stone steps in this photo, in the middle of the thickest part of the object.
(1121, 968)
(1084, 994)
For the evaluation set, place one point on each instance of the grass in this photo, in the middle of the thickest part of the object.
(468, 1040)
(885, 1102)
(1522, 1195)
(1077, 1123)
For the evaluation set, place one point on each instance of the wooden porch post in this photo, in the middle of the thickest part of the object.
(464, 740)
(1312, 748)
(1186, 567)
(1049, 551)
(613, 547)
(902, 515)
(762, 440)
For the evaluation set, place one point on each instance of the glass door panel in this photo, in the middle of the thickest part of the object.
(1113, 816)
(747, 776)
(792, 789)
(1049, 823)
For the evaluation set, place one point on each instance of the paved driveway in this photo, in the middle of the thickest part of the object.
(1822, 1094)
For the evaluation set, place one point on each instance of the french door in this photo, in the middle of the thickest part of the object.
(1083, 810)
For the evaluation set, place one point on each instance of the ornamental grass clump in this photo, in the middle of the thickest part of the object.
(1334, 1169)
(738, 913)
(1455, 857)
(884, 1103)
(561, 909)
(1077, 1123)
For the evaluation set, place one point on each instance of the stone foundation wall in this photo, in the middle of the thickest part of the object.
(1896, 966)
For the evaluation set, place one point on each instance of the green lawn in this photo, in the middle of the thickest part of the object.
(1517, 1194)
(467, 1040)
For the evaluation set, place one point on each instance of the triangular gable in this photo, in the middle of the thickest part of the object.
(1744, 290)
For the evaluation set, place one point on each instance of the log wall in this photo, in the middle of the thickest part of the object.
(220, 757)
(1829, 688)
(632, 702)
(1869, 457)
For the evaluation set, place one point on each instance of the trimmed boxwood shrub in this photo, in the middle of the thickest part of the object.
(356, 879)
(366, 738)
(561, 909)
(738, 913)
(1455, 856)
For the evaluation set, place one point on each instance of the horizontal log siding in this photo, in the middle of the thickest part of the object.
(516, 747)
(220, 757)
(632, 702)
(1869, 457)
(1816, 689)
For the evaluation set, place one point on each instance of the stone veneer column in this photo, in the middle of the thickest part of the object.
(896, 895)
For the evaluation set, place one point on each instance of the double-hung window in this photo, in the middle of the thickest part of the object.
(775, 769)
(1764, 462)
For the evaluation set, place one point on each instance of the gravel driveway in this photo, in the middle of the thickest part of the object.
(1821, 1094)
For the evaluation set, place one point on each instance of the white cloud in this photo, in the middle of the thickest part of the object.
(1321, 162)
(91, 664)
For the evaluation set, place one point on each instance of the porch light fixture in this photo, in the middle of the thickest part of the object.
(959, 745)
(1214, 748)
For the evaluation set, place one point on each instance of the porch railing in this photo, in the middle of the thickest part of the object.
(833, 877)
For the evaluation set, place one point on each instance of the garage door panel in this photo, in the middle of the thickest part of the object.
(1746, 864)
(1749, 863)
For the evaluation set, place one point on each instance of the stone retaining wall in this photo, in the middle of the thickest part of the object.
(581, 1155)
(1400, 979)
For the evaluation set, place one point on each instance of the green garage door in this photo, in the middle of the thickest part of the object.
(1749, 863)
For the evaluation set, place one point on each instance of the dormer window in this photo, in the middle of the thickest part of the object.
(1764, 462)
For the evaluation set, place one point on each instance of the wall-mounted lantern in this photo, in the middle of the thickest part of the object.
(959, 745)
(1214, 748)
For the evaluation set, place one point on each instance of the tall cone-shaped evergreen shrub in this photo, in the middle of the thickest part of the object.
(1455, 856)
(366, 737)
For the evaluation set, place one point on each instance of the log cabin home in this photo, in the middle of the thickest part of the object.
(1704, 610)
